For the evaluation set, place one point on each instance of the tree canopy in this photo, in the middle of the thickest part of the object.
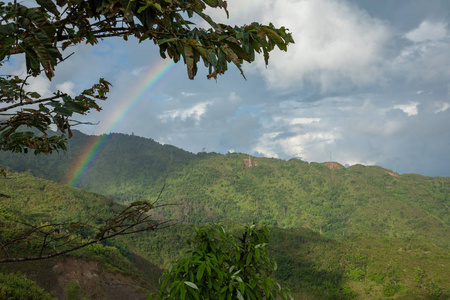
(44, 32)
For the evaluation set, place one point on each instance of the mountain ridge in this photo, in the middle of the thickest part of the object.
(212, 187)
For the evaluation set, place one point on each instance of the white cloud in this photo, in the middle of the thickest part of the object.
(355, 161)
(410, 109)
(297, 146)
(194, 112)
(187, 94)
(138, 71)
(336, 45)
(422, 63)
(266, 144)
(303, 121)
(40, 85)
(428, 31)
(66, 87)
(441, 107)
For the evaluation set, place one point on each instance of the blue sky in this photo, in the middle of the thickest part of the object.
(366, 82)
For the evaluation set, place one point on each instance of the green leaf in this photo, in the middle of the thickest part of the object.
(191, 284)
(163, 41)
(75, 107)
(157, 6)
(200, 271)
(189, 61)
(274, 37)
(239, 295)
(34, 95)
(63, 111)
(249, 259)
(49, 5)
(212, 3)
(141, 9)
(257, 253)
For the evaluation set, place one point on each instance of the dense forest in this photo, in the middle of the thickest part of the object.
(337, 232)
(210, 187)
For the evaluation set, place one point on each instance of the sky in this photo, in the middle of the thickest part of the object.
(366, 82)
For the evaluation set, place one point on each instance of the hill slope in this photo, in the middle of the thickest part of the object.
(293, 193)
(100, 271)
(313, 266)
(288, 194)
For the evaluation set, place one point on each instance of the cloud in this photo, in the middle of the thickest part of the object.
(303, 121)
(409, 109)
(360, 128)
(139, 71)
(41, 85)
(66, 87)
(194, 112)
(441, 107)
(336, 45)
(266, 144)
(428, 31)
(422, 64)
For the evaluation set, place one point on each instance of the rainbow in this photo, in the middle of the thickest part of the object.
(97, 144)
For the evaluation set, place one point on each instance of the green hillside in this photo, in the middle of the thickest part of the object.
(288, 194)
(314, 266)
(123, 169)
(294, 193)
(25, 199)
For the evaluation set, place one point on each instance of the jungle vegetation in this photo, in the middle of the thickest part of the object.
(354, 232)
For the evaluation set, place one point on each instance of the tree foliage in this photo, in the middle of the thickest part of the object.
(43, 32)
(222, 266)
(17, 286)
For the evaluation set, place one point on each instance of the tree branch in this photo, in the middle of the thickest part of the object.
(58, 253)
(32, 102)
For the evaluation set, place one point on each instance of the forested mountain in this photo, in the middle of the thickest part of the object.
(337, 232)
(124, 169)
(329, 199)
(356, 266)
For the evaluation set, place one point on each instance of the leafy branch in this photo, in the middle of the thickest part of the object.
(49, 240)
(41, 33)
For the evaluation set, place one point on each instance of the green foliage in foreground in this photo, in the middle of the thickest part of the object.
(17, 286)
(219, 265)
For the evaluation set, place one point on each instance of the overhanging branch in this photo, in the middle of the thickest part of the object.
(32, 102)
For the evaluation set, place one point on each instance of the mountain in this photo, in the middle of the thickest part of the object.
(128, 163)
(314, 266)
(326, 198)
